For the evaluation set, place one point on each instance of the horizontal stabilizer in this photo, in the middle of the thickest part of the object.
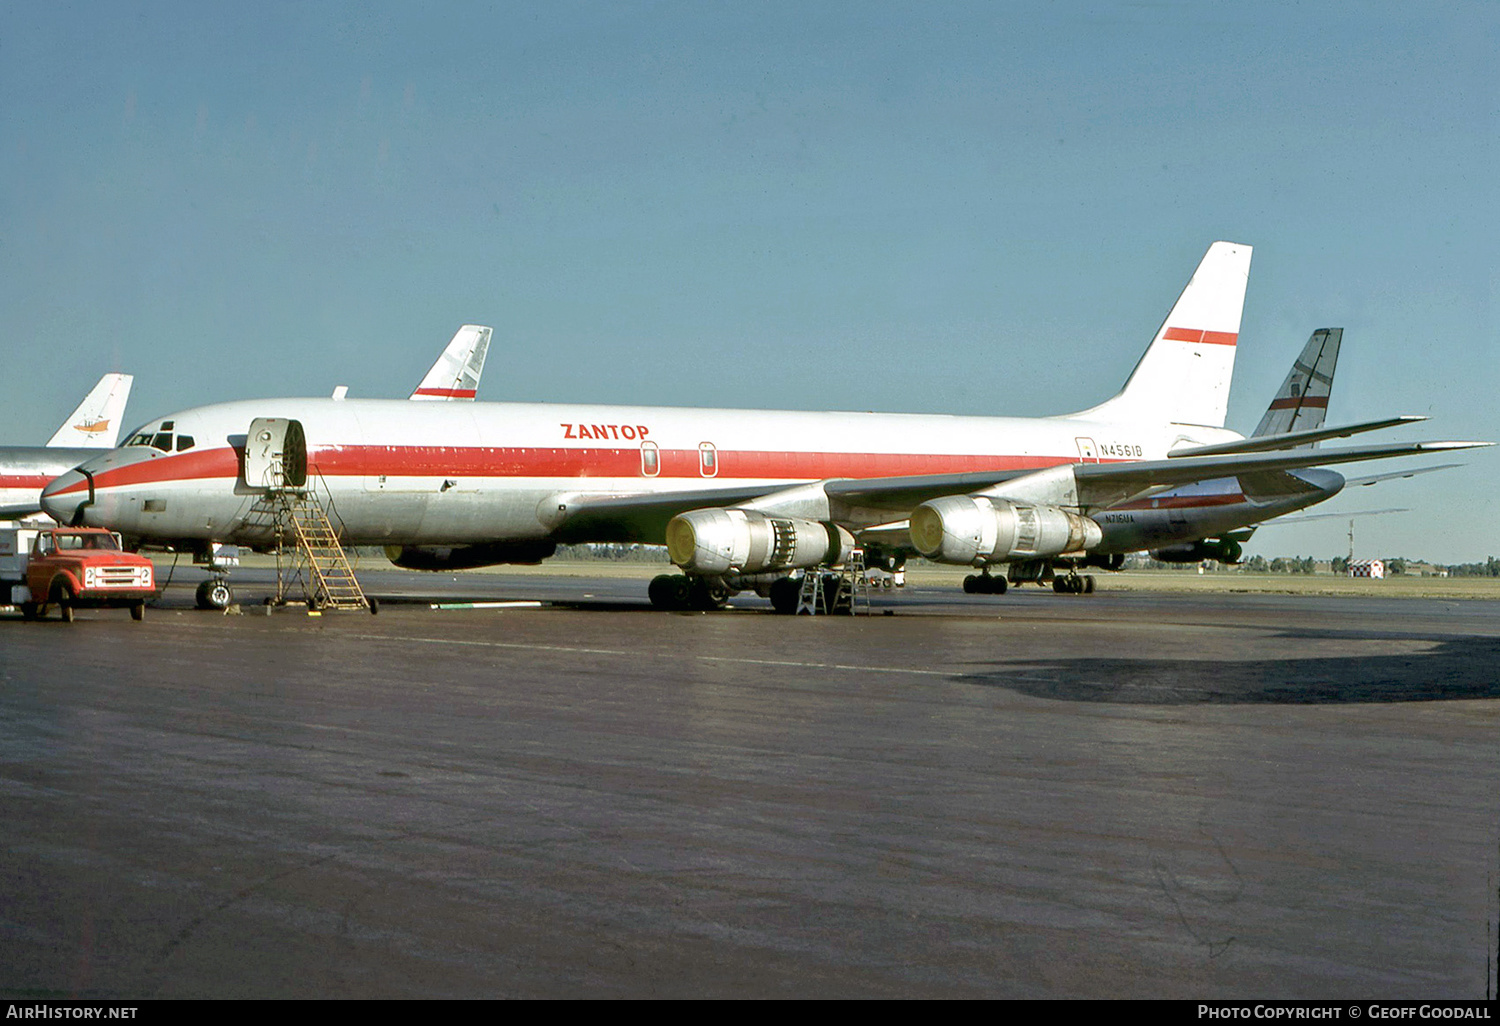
(1302, 518)
(1396, 475)
(1294, 439)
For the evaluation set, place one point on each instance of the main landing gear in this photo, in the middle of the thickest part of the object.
(681, 592)
(1074, 584)
(984, 584)
(1070, 583)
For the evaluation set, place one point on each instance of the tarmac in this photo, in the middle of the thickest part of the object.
(1121, 795)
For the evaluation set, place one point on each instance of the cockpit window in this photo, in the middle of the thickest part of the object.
(184, 442)
(159, 437)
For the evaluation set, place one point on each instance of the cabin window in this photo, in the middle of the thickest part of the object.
(650, 460)
(708, 459)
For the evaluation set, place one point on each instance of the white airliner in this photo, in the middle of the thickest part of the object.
(743, 498)
(94, 426)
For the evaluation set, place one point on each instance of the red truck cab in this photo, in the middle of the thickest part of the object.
(85, 566)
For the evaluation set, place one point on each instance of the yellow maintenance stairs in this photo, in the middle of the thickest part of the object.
(309, 557)
(308, 553)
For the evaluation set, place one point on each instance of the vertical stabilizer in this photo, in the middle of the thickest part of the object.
(96, 422)
(1301, 404)
(456, 373)
(1184, 376)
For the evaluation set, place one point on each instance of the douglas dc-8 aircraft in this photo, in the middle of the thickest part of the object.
(743, 498)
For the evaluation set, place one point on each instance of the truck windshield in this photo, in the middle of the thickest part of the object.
(86, 541)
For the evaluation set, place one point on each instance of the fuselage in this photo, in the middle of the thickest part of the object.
(26, 469)
(394, 472)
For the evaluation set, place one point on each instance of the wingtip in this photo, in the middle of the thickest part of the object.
(1444, 446)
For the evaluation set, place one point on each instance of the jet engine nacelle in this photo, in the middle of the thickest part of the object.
(1225, 550)
(975, 530)
(467, 557)
(721, 541)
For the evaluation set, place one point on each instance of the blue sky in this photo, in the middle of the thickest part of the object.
(968, 208)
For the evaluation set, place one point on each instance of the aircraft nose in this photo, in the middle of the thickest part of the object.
(63, 497)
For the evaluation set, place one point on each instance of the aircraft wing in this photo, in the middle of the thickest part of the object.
(1101, 485)
(643, 517)
(17, 512)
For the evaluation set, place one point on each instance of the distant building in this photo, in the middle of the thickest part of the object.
(1366, 568)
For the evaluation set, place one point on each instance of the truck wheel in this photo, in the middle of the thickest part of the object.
(28, 610)
(63, 598)
(138, 610)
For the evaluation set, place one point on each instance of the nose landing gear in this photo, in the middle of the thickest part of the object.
(215, 593)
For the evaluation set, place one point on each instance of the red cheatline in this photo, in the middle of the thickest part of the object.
(1218, 338)
(1293, 402)
(448, 393)
(521, 461)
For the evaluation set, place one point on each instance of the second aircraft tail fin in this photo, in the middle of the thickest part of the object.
(456, 373)
(96, 422)
(1301, 403)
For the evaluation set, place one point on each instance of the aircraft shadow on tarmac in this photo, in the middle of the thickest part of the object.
(1456, 668)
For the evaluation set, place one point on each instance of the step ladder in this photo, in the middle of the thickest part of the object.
(309, 557)
(848, 583)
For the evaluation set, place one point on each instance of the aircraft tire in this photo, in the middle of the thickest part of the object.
(1060, 585)
(656, 591)
(214, 594)
(1001, 585)
(971, 584)
(1088, 584)
(670, 591)
(707, 595)
(784, 594)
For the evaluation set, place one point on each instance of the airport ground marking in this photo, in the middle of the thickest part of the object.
(621, 652)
